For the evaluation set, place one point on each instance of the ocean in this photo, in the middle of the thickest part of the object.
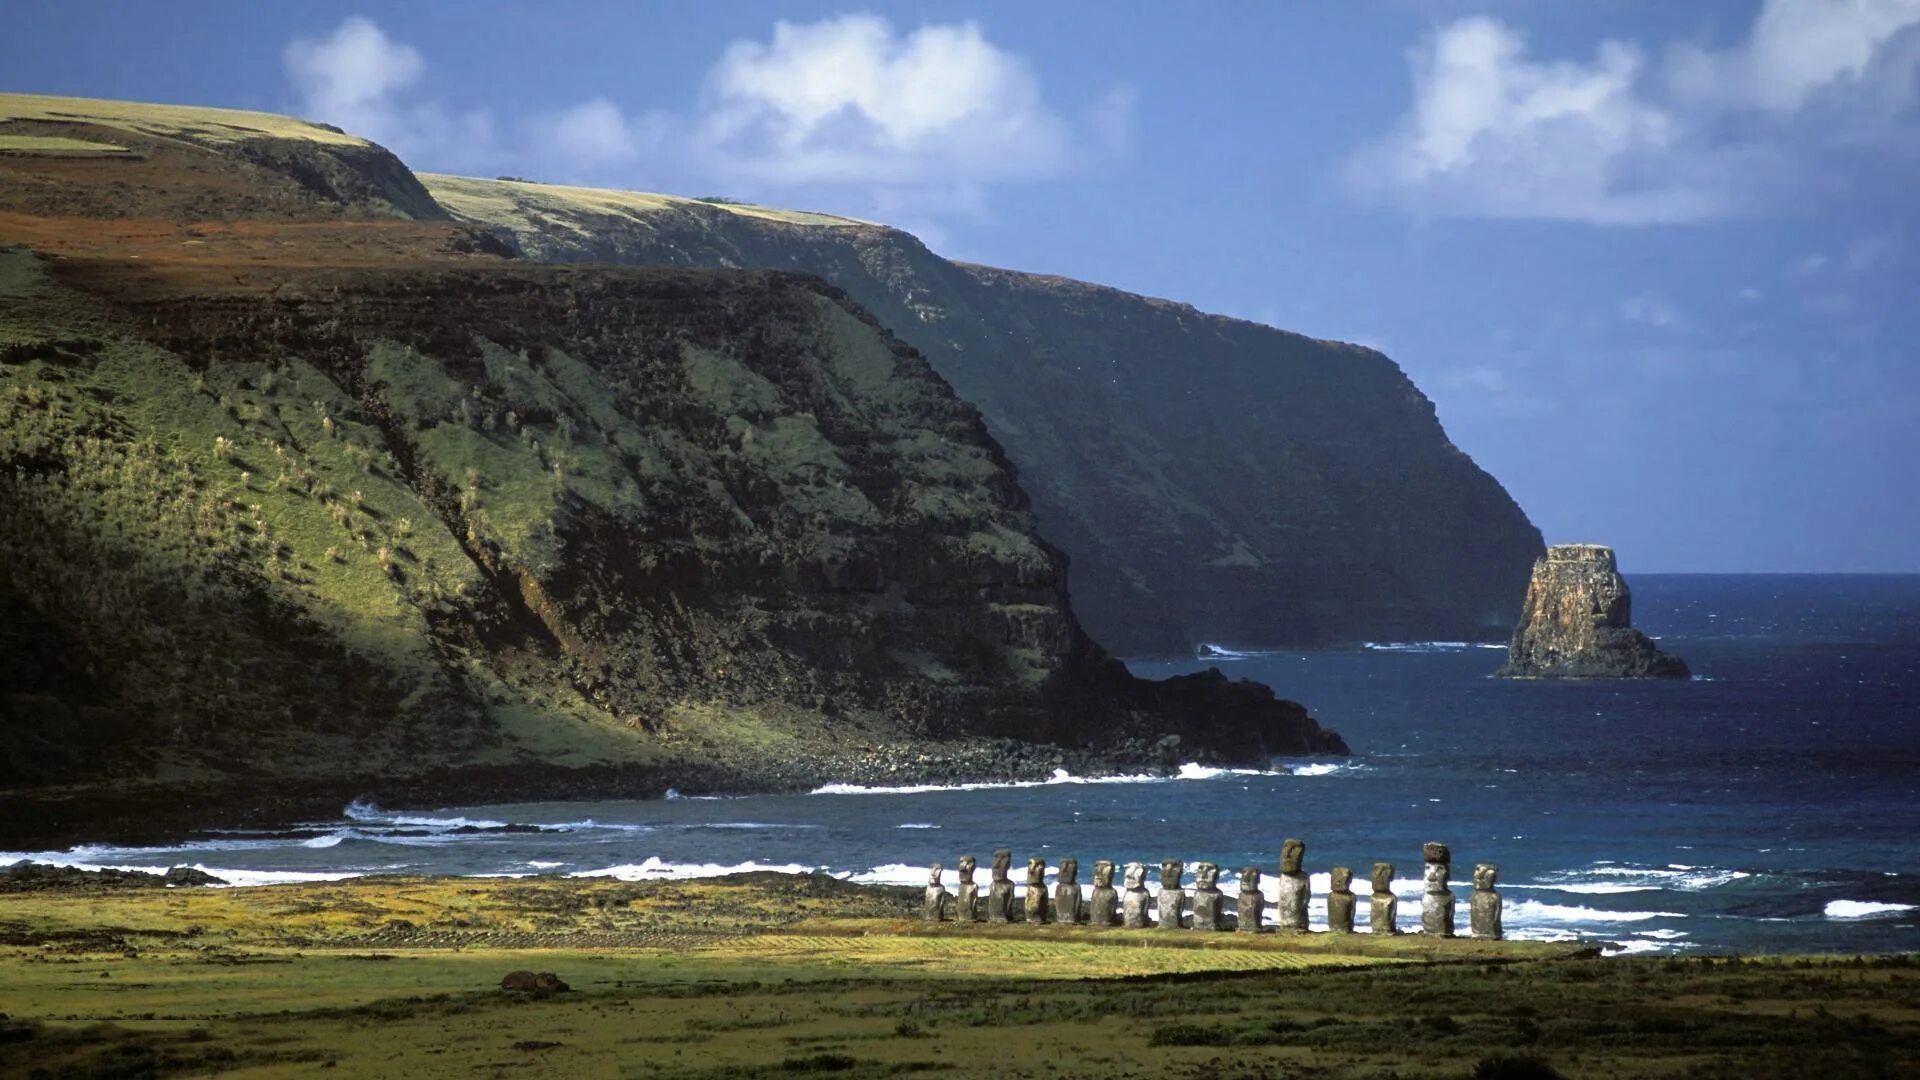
(1769, 805)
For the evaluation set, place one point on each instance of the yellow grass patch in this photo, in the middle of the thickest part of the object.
(54, 145)
(520, 205)
(191, 122)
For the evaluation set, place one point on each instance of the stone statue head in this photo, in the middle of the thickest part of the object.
(1205, 875)
(1342, 879)
(933, 876)
(1170, 870)
(1435, 874)
(1002, 860)
(1292, 853)
(1070, 871)
(967, 864)
(1249, 879)
(1383, 877)
(1036, 873)
(1136, 876)
(1485, 875)
(1435, 852)
(1102, 873)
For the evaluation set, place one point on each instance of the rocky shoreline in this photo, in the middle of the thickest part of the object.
(129, 813)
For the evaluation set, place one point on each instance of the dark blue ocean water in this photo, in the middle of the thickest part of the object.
(1772, 804)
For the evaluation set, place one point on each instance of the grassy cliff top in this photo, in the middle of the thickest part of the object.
(509, 202)
(194, 123)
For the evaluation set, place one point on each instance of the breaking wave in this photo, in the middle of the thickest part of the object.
(1864, 909)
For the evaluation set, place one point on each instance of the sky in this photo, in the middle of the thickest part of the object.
(1655, 263)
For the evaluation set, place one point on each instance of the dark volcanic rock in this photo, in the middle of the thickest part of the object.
(1577, 623)
(538, 984)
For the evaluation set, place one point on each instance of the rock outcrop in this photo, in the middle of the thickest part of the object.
(1578, 623)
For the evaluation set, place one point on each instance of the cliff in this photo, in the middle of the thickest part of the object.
(1211, 479)
(1578, 623)
(320, 498)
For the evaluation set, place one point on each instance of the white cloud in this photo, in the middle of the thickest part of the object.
(596, 139)
(1650, 310)
(911, 128)
(849, 101)
(1800, 49)
(356, 78)
(1623, 140)
(350, 77)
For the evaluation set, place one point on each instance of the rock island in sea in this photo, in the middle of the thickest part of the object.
(1577, 623)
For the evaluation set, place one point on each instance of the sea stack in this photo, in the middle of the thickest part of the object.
(1578, 624)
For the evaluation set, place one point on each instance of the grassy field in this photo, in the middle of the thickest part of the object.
(771, 975)
(521, 205)
(193, 123)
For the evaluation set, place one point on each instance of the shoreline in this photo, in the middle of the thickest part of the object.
(146, 813)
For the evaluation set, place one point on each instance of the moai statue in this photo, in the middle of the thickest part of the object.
(1133, 906)
(1294, 888)
(935, 907)
(1436, 903)
(1340, 902)
(1209, 904)
(1483, 911)
(1000, 889)
(1252, 905)
(1066, 893)
(967, 904)
(1173, 899)
(1103, 908)
(1383, 914)
(1036, 890)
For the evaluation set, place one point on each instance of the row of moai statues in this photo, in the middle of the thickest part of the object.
(1205, 907)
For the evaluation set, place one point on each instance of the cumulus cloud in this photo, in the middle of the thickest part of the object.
(351, 75)
(911, 127)
(357, 78)
(847, 100)
(1622, 138)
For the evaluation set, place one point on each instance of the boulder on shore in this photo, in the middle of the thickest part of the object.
(1578, 623)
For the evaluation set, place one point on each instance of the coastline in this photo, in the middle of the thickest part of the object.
(135, 812)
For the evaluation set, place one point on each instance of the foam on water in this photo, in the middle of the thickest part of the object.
(1188, 771)
(656, 869)
(363, 811)
(1529, 911)
(1863, 909)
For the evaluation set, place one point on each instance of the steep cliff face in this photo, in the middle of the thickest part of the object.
(353, 526)
(305, 488)
(1211, 479)
(1578, 623)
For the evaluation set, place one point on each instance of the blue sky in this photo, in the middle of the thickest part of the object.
(1653, 262)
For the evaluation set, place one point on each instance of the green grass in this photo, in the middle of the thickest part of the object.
(777, 976)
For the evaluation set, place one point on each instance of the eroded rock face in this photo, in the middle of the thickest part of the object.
(1577, 623)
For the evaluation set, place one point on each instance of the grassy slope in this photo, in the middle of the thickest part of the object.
(790, 975)
(525, 205)
(194, 123)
